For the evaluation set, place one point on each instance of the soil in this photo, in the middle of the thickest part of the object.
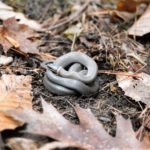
(110, 99)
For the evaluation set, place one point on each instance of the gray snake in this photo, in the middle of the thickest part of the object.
(70, 74)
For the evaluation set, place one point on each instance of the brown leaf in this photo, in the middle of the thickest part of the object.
(7, 12)
(127, 5)
(137, 89)
(4, 60)
(15, 93)
(142, 26)
(17, 35)
(89, 134)
(130, 5)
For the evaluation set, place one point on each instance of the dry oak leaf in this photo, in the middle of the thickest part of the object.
(17, 35)
(141, 26)
(15, 93)
(137, 89)
(89, 134)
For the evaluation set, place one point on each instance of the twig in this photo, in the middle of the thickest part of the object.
(119, 73)
(45, 11)
(73, 42)
(137, 58)
(72, 17)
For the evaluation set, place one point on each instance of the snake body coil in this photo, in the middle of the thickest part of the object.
(70, 74)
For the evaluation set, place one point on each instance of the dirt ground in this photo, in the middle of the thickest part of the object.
(110, 99)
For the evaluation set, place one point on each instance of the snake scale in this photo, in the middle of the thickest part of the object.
(72, 73)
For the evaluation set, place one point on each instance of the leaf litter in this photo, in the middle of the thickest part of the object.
(101, 39)
(7, 12)
(137, 89)
(15, 93)
(17, 35)
(141, 26)
(87, 135)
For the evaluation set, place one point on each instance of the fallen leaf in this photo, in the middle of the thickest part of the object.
(4, 60)
(142, 25)
(58, 145)
(7, 12)
(137, 89)
(12, 41)
(89, 134)
(15, 93)
(127, 5)
(17, 35)
(21, 144)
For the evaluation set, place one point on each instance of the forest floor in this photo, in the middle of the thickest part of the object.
(104, 38)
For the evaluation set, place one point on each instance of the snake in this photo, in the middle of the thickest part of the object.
(70, 74)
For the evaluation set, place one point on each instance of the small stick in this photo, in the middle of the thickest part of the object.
(73, 43)
(72, 17)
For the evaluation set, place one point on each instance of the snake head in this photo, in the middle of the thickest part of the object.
(54, 67)
(50, 65)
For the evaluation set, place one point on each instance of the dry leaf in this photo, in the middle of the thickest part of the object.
(137, 89)
(4, 60)
(15, 93)
(22, 144)
(58, 145)
(130, 5)
(7, 12)
(127, 5)
(17, 35)
(89, 134)
(142, 26)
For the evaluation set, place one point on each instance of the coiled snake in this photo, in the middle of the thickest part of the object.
(70, 74)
